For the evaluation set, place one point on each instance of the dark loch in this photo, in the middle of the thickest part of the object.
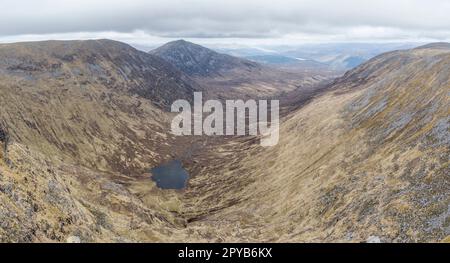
(170, 175)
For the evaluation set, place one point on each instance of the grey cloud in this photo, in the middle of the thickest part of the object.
(229, 19)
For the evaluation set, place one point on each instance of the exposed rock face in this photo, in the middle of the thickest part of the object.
(4, 141)
(373, 239)
(73, 239)
(3, 134)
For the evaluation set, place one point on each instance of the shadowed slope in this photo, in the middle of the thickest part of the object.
(85, 122)
(96, 102)
(105, 62)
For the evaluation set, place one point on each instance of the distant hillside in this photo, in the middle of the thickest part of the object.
(226, 76)
(281, 61)
(196, 60)
(333, 56)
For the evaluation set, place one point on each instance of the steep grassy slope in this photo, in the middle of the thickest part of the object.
(55, 201)
(96, 102)
(84, 120)
(370, 157)
(109, 63)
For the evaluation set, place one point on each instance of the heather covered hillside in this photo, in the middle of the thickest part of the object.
(370, 157)
(82, 123)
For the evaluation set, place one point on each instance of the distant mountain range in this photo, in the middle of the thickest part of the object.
(336, 56)
(223, 75)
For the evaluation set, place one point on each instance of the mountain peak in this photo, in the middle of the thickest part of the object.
(181, 42)
(196, 60)
(180, 45)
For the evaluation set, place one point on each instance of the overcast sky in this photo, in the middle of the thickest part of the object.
(152, 22)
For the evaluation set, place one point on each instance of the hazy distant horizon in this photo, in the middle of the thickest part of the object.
(227, 24)
(216, 44)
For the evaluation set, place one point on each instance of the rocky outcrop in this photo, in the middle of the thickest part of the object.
(4, 142)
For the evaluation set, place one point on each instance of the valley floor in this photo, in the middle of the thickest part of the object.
(366, 157)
